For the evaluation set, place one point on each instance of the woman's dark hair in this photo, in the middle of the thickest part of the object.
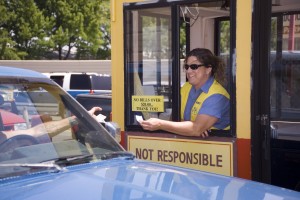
(206, 57)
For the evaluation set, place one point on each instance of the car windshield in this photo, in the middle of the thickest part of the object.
(39, 106)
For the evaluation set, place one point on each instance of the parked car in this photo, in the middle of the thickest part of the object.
(77, 158)
(9, 116)
(11, 121)
(82, 83)
(94, 99)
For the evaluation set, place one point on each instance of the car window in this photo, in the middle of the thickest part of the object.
(62, 128)
(58, 79)
(101, 82)
(80, 82)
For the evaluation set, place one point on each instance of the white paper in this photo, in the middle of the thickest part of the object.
(139, 118)
(101, 118)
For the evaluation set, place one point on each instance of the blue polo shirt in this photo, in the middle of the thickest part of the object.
(216, 105)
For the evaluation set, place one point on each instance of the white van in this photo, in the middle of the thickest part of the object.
(80, 83)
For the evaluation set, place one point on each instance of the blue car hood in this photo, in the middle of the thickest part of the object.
(135, 179)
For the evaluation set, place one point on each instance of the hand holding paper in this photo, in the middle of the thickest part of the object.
(101, 118)
(139, 118)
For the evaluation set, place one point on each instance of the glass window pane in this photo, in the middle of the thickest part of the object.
(285, 76)
(148, 36)
(149, 60)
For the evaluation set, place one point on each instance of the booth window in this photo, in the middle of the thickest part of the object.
(157, 38)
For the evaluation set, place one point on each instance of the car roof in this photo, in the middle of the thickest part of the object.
(19, 72)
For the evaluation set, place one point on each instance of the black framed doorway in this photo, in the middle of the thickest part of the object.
(275, 106)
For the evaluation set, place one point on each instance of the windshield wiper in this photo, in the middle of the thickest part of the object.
(34, 165)
(88, 157)
(72, 159)
(117, 154)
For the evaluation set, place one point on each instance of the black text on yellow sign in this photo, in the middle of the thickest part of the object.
(193, 158)
(210, 156)
(148, 103)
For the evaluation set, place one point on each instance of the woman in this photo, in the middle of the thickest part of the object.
(204, 101)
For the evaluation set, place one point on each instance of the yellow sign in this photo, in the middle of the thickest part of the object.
(210, 156)
(148, 103)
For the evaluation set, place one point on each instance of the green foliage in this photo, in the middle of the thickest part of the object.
(182, 40)
(225, 36)
(43, 29)
(7, 50)
(24, 29)
(273, 43)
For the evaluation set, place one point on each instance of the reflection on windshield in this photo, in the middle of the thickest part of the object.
(43, 123)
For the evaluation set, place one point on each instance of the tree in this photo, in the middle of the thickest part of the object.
(5, 40)
(225, 36)
(41, 29)
(76, 24)
(103, 50)
(21, 28)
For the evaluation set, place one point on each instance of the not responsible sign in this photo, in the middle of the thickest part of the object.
(210, 156)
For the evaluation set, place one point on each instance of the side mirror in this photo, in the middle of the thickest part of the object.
(114, 129)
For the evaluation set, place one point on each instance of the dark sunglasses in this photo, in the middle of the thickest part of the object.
(193, 66)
